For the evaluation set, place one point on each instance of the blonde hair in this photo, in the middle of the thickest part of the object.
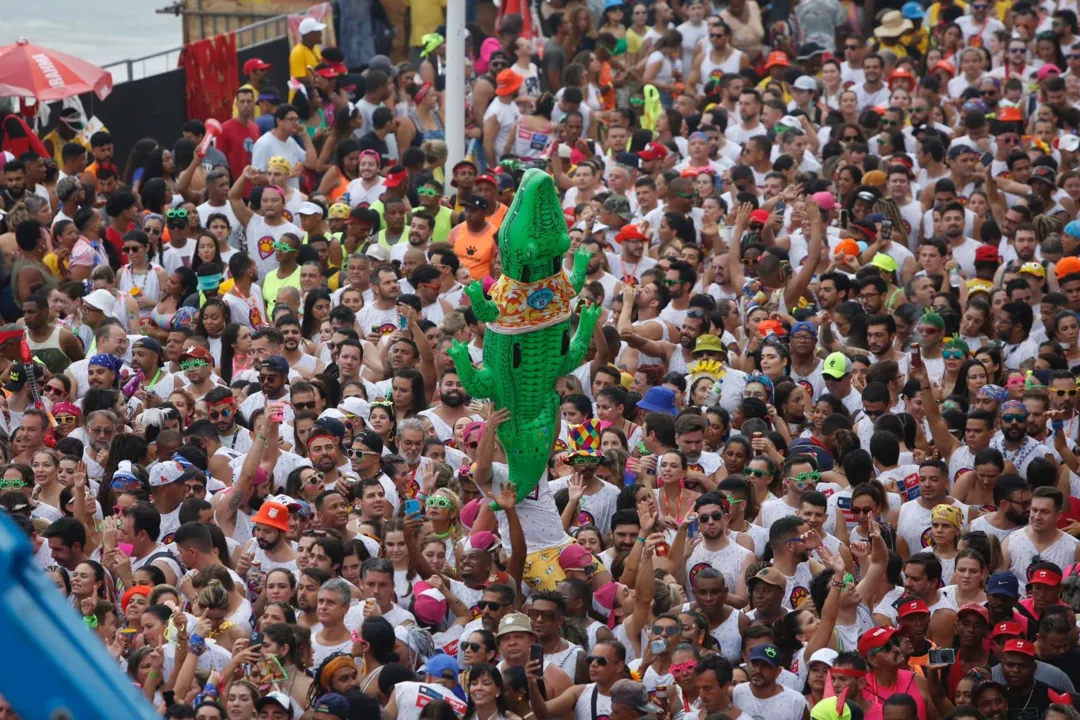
(214, 596)
(435, 152)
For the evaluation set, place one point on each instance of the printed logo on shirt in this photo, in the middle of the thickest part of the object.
(927, 538)
(584, 517)
(168, 538)
(384, 329)
(451, 648)
(798, 594)
(695, 570)
(424, 695)
(909, 487)
(266, 246)
(696, 467)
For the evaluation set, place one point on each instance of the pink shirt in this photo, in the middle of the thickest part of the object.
(878, 694)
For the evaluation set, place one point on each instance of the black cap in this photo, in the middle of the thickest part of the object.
(475, 202)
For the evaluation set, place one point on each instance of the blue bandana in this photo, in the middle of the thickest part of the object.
(107, 361)
(761, 379)
(209, 282)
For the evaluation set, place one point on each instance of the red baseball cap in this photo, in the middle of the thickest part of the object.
(912, 607)
(486, 177)
(1010, 114)
(256, 64)
(976, 608)
(759, 216)
(1024, 647)
(1008, 627)
(653, 151)
(392, 180)
(1044, 576)
(873, 639)
(987, 253)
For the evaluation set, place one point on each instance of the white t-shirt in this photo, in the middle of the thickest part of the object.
(174, 257)
(358, 194)
(269, 146)
(411, 697)
(260, 241)
(786, 705)
(506, 114)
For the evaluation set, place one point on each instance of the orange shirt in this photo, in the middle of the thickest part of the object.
(498, 216)
(607, 100)
(474, 250)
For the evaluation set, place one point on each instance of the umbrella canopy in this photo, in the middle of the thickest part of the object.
(28, 70)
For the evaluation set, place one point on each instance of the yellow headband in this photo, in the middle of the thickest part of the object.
(279, 163)
(948, 513)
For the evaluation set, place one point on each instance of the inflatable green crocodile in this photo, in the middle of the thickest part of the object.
(527, 343)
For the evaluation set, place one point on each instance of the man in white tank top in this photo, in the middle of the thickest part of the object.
(791, 545)
(911, 521)
(718, 550)
(710, 593)
(1013, 498)
(1041, 537)
(922, 576)
(547, 612)
(978, 429)
(587, 701)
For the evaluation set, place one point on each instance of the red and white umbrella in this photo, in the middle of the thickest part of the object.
(28, 70)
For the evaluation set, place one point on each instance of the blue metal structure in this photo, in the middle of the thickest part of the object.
(53, 667)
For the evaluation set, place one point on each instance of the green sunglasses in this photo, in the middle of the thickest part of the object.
(438, 501)
(177, 213)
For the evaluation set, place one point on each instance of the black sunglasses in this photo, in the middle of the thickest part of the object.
(474, 647)
(489, 605)
(601, 661)
(304, 406)
(715, 517)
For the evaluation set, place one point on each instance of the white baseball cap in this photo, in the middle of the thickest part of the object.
(378, 252)
(357, 406)
(101, 300)
(310, 25)
(805, 82)
(1069, 143)
(309, 208)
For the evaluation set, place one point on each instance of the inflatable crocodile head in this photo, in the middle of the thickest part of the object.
(533, 239)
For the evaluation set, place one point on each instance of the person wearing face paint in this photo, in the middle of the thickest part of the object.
(264, 228)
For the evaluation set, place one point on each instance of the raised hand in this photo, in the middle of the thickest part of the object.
(507, 497)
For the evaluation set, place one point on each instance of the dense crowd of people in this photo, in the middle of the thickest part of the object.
(819, 461)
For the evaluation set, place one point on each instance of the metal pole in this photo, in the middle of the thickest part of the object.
(455, 82)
